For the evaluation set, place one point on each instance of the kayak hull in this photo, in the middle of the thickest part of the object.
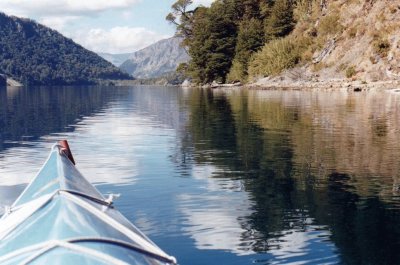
(60, 218)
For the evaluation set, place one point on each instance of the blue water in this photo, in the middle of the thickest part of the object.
(225, 177)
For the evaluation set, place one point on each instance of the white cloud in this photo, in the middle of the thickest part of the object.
(214, 224)
(94, 34)
(62, 7)
(58, 22)
(127, 15)
(215, 229)
(202, 2)
(117, 39)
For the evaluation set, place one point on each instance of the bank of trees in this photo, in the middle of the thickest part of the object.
(223, 38)
(36, 55)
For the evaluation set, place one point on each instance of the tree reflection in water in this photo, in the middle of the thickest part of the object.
(29, 113)
(307, 161)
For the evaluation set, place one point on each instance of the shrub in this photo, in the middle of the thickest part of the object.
(350, 72)
(237, 72)
(302, 10)
(330, 25)
(277, 55)
(341, 67)
(280, 22)
(352, 32)
(318, 67)
(307, 55)
(374, 59)
(381, 46)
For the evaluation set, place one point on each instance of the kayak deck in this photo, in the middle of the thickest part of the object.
(60, 218)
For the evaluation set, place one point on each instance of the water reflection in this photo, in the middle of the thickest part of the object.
(110, 129)
(331, 156)
(26, 114)
(211, 216)
(354, 134)
(226, 177)
(256, 162)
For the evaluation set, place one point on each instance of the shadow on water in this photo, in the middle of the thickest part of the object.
(292, 190)
(26, 114)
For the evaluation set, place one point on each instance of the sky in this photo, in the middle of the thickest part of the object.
(109, 26)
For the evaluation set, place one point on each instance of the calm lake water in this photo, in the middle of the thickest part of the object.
(225, 176)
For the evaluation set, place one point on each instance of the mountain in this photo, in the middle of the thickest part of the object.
(116, 59)
(37, 55)
(157, 59)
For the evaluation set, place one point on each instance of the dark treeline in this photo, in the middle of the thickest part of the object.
(36, 55)
(221, 39)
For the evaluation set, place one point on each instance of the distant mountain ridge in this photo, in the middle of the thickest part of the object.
(115, 59)
(37, 55)
(156, 60)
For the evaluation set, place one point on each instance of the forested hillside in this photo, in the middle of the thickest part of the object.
(36, 55)
(222, 38)
(245, 40)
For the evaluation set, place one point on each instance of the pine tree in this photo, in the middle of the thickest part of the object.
(280, 21)
(222, 38)
(181, 17)
(250, 39)
(199, 45)
(212, 45)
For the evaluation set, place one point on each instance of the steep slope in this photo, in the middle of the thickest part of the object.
(157, 59)
(37, 55)
(336, 40)
(368, 46)
(116, 59)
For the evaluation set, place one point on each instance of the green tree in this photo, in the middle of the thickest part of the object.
(249, 9)
(212, 41)
(198, 45)
(36, 55)
(280, 21)
(250, 39)
(182, 18)
(222, 38)
(209, 35)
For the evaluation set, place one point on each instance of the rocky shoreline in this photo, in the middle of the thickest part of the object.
(327, 85)
(339, 84)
